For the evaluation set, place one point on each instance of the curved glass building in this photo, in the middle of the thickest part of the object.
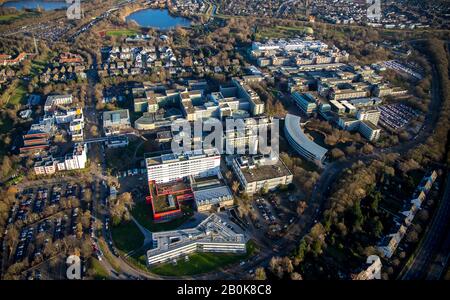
(300, 142)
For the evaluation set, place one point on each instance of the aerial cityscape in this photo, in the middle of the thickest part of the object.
(224, 140)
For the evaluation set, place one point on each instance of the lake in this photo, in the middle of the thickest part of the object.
(157, 18)
(45, 5)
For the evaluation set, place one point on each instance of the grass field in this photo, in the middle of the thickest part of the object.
(120, 32)
(98, 270)
(18, 97)
(6, 19)
(281, 32)
(142, 212)
(127, 237)
(9, 18)
(108, 255)
(199, 263)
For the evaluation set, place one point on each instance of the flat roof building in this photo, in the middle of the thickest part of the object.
(305, 101)
(211, 235)
(54, 100)
(211, 193)
(256, 173)
(170, 167)
(115, 121)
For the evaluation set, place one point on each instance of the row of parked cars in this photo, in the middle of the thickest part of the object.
(396, 115)
(265, 210)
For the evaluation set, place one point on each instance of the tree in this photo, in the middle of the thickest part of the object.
(265, 188)
(86, 248)
(86, 219)
(94, 131)
(296, 276)
(260, 274)
(275, 268)
(367, 149)
(337, 153)
(301, 207)
(79, 230)
(87, 195)
(120, 209)
(6, 166)
(412, 237)
(235, 186)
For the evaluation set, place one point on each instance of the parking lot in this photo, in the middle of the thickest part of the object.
(273, 215)
(403, 68)
(396, 116)
(42, 217)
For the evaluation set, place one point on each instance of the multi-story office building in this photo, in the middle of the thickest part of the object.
(248, 138)
(247, 93)
(211, 235)
(71, 161)
(54, 100)
(115, 121)
(369, 115)
(258, 173)
(337, 107)
(300, 142)
(77, 159)
(369, 130)
(305, 102)
(211, 193)
(349, 124)
(170, 167)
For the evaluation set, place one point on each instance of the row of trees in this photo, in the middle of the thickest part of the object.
(436, 146)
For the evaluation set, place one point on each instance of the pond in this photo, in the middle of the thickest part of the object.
(157, 18)
(45, 5)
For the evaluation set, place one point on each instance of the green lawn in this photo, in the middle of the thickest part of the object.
(142, 212)
(108, 255)
(280, 31)
(98, 270)
(139, 260)
(19, 15)
(127, 237)
(120, 32)
(8, 18)
(199, 263)
(18, 97)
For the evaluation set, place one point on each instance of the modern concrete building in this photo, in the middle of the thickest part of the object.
(54, 100)
(75, 160)
(247, 93)
(211, 193)
(170, 167)
(372, 115)
(305, 102)
(115, 121)
(365, 123)
(369, 130)
(300, 142)
(257, 173)
(211, 235)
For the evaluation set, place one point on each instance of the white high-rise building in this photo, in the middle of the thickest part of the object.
(170, 167)
(369, 115)
(77, 159)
